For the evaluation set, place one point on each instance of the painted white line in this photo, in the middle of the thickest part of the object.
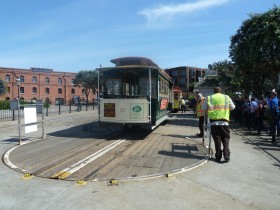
(8, 162)
(77, 166)
(6, 156)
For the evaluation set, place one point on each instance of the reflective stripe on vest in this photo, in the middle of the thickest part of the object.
(218, 107)
(199, 110)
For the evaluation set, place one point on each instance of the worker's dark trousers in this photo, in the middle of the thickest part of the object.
(221, 134)
(200, 124)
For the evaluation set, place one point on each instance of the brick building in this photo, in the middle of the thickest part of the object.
(185, 77)
(36, 83)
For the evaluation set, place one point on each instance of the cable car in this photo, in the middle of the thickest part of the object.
(135, 92)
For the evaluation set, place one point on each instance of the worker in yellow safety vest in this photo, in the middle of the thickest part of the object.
(219, 106)
(200, 113)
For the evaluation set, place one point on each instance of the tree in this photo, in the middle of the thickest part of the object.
(88, 80)
(226, 74)
(255, 50)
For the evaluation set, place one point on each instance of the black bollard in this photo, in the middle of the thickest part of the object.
(47, 111)
(13, 115)
(59, 106)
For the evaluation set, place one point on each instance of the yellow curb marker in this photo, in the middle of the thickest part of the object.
(27, 176)
(81, 182)
(168, 175)
(113, 182)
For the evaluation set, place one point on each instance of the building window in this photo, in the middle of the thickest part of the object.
(182, 82)
(59, 91)
(21, 78)
(72, 91)
(21, 89)
(72, 82)
(174, 73)
(47, 90)
(34, 79)
(8, 89)
(183, 73)
(34, 90)
(47, 80)
(8, 78)
(59, 81)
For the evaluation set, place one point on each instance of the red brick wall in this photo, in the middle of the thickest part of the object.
(41, 85)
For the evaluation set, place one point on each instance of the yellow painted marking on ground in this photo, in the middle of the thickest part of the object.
(113, 182)
(55, 176)
(81, 182)
(64, 175)
(169, 175)
(27, 176)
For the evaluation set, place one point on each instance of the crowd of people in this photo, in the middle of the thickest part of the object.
(261, 114)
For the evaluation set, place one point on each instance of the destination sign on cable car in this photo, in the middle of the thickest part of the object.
(163, 103)
(109, 110)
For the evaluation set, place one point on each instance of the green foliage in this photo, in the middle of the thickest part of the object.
(227, 75)
(255, 50)
(191, 97)
(45, 104)
(86, 79)
(4, 105)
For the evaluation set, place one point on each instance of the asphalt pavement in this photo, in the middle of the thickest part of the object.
(250, 180)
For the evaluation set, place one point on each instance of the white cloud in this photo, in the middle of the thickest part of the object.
(163, 11)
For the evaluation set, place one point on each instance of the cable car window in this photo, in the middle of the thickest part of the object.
(144, 87)
(113, 86)
(126, 89)
(133, 90)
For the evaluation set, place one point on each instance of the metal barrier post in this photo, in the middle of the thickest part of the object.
(47, 112)
(70, 106)
(18, 108)
(43, 126)
(59, 106)
(13, 115)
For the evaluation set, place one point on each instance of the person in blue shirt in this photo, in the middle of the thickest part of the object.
(252, 108)
(274, 112)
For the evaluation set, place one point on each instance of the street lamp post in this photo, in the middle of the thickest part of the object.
(18, 108)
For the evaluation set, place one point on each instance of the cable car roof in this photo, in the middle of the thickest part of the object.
(138, 63)
(125, 61)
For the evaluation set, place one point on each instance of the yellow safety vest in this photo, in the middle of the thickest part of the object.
(218, 107)
(199, 110)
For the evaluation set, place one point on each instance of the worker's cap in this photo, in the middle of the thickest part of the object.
(200, 96)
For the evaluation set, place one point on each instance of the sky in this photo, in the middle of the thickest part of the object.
(74, 35)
